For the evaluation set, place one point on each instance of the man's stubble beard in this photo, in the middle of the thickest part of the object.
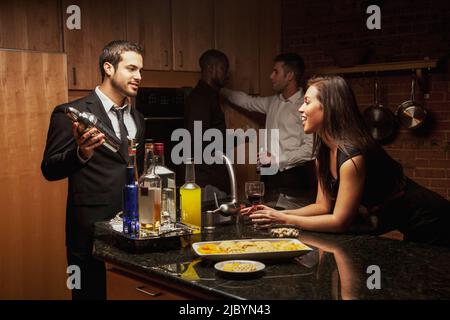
(279, 88)
(121, 90)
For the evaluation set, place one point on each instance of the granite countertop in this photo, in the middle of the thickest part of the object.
(339, 267)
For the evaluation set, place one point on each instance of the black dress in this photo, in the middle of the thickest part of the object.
(398, 202)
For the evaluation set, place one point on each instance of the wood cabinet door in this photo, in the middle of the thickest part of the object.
(123, 286)
(193, 32)
(32, 234)
(269, 42)
(236, 34)
(101, 22)
(149, 24)
(31, 25)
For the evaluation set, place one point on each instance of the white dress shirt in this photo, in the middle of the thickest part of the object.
(127, 117)
(295, 147)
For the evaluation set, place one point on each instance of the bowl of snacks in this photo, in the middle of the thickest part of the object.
(239, 266)
(284, 231)
(240, 269)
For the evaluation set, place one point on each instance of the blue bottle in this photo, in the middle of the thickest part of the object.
(130, 195)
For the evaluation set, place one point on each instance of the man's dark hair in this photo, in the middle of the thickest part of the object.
(212, 57)
(112, 51)
(292, 62)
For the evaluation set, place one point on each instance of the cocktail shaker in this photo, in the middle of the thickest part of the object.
(88, 121)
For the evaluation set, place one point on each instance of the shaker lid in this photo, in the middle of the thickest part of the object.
(72, 113)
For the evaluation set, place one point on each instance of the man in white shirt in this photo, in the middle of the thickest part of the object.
(294, 155)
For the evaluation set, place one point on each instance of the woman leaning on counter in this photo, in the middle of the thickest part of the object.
(360, 186)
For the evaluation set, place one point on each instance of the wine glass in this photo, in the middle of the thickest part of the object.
(254, 191)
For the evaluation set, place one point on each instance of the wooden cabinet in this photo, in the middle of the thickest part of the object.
(174, 33)
(193, 32)
(236, 34)
(32, 25)
(123, 284)
(149, 24)
(269, 42)
(32, 251)
(100, 23)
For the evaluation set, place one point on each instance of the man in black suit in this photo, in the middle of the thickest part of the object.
(96, 174)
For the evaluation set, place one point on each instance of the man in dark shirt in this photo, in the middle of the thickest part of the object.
(202, 104)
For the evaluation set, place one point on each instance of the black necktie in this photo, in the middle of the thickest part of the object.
(123, 130)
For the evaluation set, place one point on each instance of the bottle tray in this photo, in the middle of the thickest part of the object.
(111, 233)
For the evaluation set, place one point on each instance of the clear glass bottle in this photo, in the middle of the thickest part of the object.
(168, 181)
(149, 194)
(130, 194)
(191, 199)
(166, 221)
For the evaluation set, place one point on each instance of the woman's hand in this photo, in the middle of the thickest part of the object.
(264, 216)
(249, 210)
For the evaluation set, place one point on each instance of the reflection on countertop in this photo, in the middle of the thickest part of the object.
(336, 269)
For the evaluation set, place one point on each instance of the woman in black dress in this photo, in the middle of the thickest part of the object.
(360, 186)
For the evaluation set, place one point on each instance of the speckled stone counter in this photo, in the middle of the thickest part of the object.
(340, 267)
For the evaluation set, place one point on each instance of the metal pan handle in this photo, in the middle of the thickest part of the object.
(413, 88)
(376, 92)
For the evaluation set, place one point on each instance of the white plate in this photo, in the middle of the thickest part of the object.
(271, 255)
(258, 265)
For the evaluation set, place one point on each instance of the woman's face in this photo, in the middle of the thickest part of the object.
(311, 111)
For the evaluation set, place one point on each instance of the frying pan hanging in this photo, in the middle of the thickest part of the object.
(411, 114)
(379, 120)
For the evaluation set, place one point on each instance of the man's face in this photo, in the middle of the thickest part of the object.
(279, 78)
(220, 74)
(126, 78)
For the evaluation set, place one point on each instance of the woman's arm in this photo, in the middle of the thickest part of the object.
(320, 207)
(351, 185)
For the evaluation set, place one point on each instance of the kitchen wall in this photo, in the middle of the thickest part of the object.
(326, 32)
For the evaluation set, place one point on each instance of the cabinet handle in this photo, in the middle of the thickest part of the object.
(167, 58)
(181, 59)
(152, 294)
(74, 74)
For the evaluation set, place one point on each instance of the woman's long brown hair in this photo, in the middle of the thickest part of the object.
(342, 122)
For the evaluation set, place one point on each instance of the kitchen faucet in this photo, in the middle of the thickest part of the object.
(232, 207)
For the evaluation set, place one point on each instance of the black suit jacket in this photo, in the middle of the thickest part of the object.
(95, 188)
